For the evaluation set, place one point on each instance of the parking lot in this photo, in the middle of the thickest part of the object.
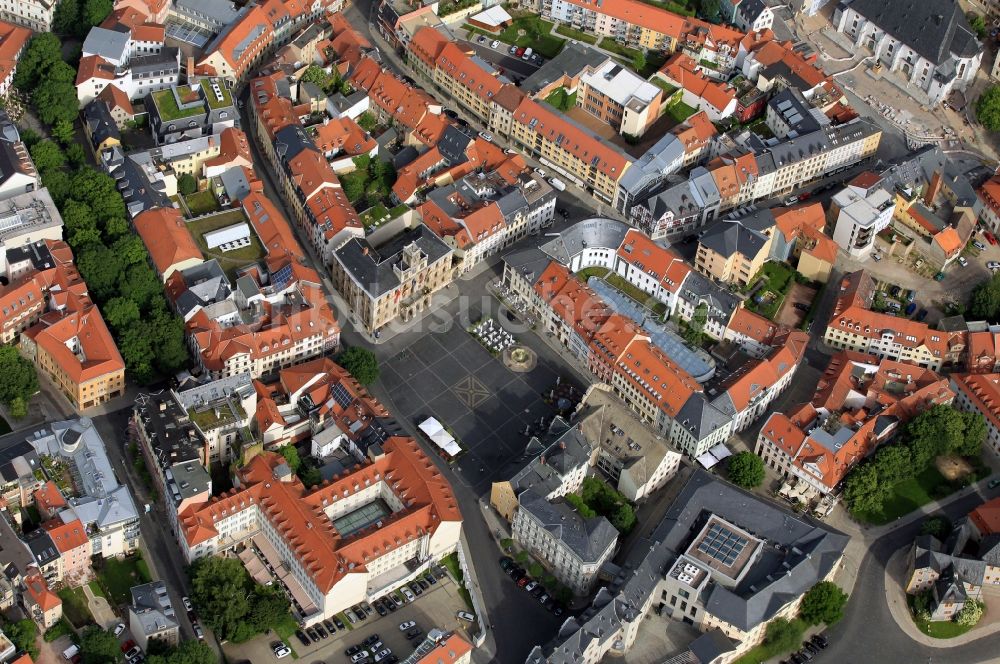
(434, 608)
(514, 67)
(488, 408)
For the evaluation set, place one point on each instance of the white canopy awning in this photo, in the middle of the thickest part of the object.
(714, 456)
(440, 437)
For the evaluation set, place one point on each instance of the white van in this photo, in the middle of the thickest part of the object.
(557, 184)
(71, 652)
(527, 54)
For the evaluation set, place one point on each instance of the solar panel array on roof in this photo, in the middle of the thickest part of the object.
(341, 395)
(722, 544)
(281, 278)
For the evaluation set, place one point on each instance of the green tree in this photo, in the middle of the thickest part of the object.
(985, 303)
(94, 12)
(938, 526)
(639, 61)
(220, 590)
(168, 335)
(746, 469)
(291, 455)
(576, 502)
(309, 473)
(59, 184)
(988, 108)
(98, 190)
(63, 131)
(783, 635)
(187, 184)
(977, 23)
(973, 435)
(823, 603)
(77, 157)
(44, 49)
(121, 313)
(66, 17)
(141, 285)
(623, 518)
(186, 652)
(971, 613)
(893, 463)
(23, 635)
(360, 363)
(367, 121)
(101, 269)
(20, 380)
(18, 408)
(114, 228)
(269, 607)
(136, 349)
(47, 155)
(98, 646)
(863, 492)
(314, 74)
(709, 9)
(55, 99)
(130, 250)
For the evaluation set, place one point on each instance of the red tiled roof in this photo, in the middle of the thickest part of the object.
(39, 592)
(298, 517)
(166, 236)
(681, 70)
(94, 66)
(986, 517)
(67, 536)
(115, 97)
(567, 136)
(49, 498)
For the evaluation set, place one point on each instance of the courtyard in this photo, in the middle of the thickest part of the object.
(488, 408)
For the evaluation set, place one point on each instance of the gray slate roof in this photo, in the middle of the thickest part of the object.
(570, 61)
(373, 269)
(732, 236)
(563, 450)
(109, 44)
(594, 232)
(934, 29)
(588, 539)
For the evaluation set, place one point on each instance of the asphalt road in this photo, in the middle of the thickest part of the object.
(869, 633)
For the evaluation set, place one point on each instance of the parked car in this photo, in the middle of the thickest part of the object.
(531, 585)
(563, 213)
(359, 612)
(415, 587)
(382, 654)
(495, 44)
(198, 631)
(480, 39)
(993, 265)
(486, 136)
(557, 184)
(312, 633)
(990, 237)
(408, 594)
(330, 627)
(543, 598)
(465, 615)
(338, 622)
(540, 172)
(527, 54)
(374, 638)
(922, 314)
(537, 592)
(301, 636)
(519, 52)
(506, 562)
(133, 651)
(119, 628)
(876, 257)
(358, 656)
(512, 50)
(962, 261)
(414, 633)
(403, 626)
(395, 598)
(801, 306)
(350, 616)
(423, 584)
(820, 641)
(353, 650)
(322, 632)
(389, 604)
(378, 607)
(281, 651)
(430, 578)
(366, 607)
(128, 645)
(993, 483)
(979, 245)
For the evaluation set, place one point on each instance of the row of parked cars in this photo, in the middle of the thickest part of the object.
(809, 649)
(529, 585)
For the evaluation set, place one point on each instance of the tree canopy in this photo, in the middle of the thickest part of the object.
(985, 304)
(823, 603)
(977, 23)
(360, 363)
(988, 108)
(937, 431)
(187, 184)
(186, 652)
(231, 603)
(19, 381)
(23, 635)
(746, 469)
(98, 646)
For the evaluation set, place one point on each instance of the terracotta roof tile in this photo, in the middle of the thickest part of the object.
(167, 238)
